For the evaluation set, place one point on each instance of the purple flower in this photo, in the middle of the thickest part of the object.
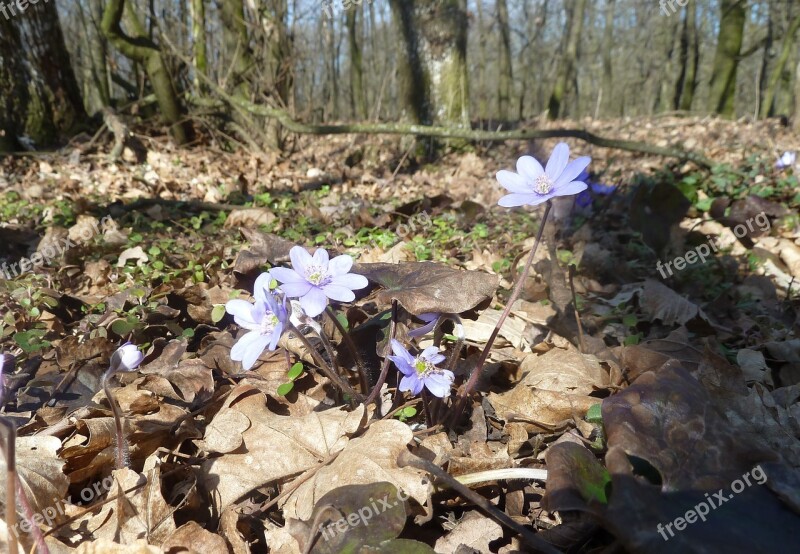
(315, 279)
(422, 371)
(532, 184)
(430, 320)
(595, 189)
(786, 160)
(126, 358)
(266, 320)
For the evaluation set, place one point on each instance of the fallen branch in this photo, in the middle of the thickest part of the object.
(438, 131)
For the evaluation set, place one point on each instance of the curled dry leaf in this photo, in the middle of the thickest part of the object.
(302, 442)
(424, 287)
(540, 410)
(566, 371)
(367, 459)
(40, 470)
(661, 302)
(190, 537)
(140, 514)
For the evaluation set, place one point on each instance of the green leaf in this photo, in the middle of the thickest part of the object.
(123, 327)
(295, 371)
(630, 320)
(593, 414)
(188, 333)
(31, 341)
(285, 388)
(343, 320)
(217, 313)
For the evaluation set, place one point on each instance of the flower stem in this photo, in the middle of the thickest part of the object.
(335, 378)
(38, 538)
(123, 451)
(10, 437)
(376, 390)
(476, 373)
(351, 346)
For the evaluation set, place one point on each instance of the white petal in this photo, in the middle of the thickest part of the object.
(513, 182)
(572, 171)
(529, 167)
(558, 161)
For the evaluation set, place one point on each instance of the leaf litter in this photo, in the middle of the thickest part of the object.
(669, 390)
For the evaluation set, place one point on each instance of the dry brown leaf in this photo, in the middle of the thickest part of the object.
(192, 538)
(367, 459)
(302, 443)
(110, 547)
(474, 531)
(140, 514)
(536, 406)
(249, 217)
(564, 371)
(40, 470)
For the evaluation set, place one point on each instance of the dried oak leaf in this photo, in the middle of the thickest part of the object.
(190, 537)
(424, 287)
(368, 459)
(248, 435)
(142, 513)
(661, 302)
(540, 410)
(189, 381)
(40, 470)
(564, 371)
(474, 531)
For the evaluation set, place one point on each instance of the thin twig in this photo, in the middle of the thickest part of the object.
(406, 458)
(575, 305)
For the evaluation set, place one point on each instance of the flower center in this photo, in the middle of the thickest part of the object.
(268, 324)
(542, 184)
(317, 276)
(423, 366)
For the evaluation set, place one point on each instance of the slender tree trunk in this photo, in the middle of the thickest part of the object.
(236, 45)
(482, 101)
(607, 87)
(198, 14)
(689, 58)
(506, 81)
(414, 79)
(722, 94)
(789, 44)
(665, 96)
(358, 102)
(796, 123)
(569, 60)
(143, 50)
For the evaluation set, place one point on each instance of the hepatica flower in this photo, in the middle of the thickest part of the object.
(533, 184)
(786, 160)
(595, 189)
(315, 279)
(126, 358)
(265, 319)
(430, 320)
(421, 371)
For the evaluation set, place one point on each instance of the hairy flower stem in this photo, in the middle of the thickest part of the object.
(376, 390)
(334, 377)
(38, 538)
(10, 436)
(476, 373)
(123, 450)
(351, 346)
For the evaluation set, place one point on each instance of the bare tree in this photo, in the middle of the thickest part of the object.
(726, 59)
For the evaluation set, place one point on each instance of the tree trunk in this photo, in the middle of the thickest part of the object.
(482, 101)
(236, 45)
(506, 80)
(141, 49)
(566, 72)
(690, 57)
(774, 77)
(358, 102)
(415, 92)
(198, 14)
(796, 123)
(722, 94)
(39, 94)
(607, 88)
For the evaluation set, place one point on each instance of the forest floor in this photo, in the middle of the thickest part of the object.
(680, 386)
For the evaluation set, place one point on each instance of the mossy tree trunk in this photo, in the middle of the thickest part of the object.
(789, 44)
(722, 95)
(358, 102)
(199, 57)
(690, 57)
(567, 68)
(39, 94)
(434, 67)
(607, 88)
(141, 49)
(505, 84)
